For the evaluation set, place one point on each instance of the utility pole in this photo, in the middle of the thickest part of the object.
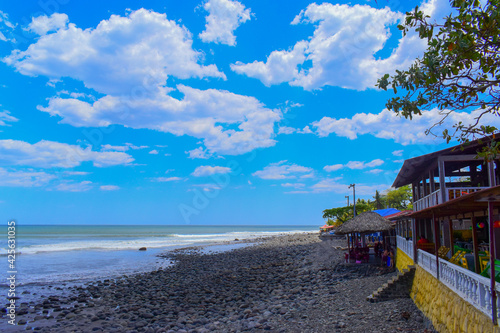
(347, 197)
(353, 196)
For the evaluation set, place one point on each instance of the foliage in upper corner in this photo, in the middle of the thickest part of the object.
(458, 71)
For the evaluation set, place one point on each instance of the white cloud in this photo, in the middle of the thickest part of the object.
(124, 148)
(354, 165)
(291, 130)
(128, 60)
(341, 52)
(109, 188)
(208, 187)
(122, 55)
(286, 130)
(362, 165)
(41, 25)
(134, 147)
(225, 16)
(282, 170)
(200, 113)
(334, 167)
(307, 176)
(198, 153)
(154, 152)
(114, 148)
(397, 153)
(207, 170)
(375, 171)
(281, 66)
(21, 178)
(6, 28)
(165, 179)
(333, 185)
(68, 186)
(6, 117)
(294, 185)
(388, 125)
(49, 154)
(76, 173)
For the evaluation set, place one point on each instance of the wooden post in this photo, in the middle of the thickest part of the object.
(492, 263)
(431, 181)
(416, 232)
(348, 248)
(477, 268)
(442, 180)
(491, 174)
(436, 243)
(424, 185)
(450, 224)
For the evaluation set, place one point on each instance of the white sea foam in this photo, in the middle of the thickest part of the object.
(175, 240)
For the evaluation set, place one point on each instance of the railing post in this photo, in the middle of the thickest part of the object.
(492, 263)
(436, 243)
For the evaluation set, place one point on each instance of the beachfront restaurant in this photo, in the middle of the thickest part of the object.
(452, 238)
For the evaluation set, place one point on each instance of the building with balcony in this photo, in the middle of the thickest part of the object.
(451, 237)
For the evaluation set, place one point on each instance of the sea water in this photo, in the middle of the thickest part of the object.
(61, 254)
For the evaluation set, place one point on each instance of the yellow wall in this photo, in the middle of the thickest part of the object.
(402, 260)
(447, 311)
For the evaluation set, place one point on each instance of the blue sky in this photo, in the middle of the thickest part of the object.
(201, 112)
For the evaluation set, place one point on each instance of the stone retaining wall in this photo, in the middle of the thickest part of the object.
(447, 311)
(403, 261)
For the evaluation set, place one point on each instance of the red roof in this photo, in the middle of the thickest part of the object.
(399, 214)
(326, 226)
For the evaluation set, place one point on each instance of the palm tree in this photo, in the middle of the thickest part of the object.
(379, 200)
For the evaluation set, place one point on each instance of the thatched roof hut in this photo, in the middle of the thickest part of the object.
(365, 223)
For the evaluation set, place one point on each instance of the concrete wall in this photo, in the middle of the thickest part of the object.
(447, 311)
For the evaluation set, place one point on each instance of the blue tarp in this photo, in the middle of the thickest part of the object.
(387, 211)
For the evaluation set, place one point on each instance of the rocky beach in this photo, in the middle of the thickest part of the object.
(290, 283)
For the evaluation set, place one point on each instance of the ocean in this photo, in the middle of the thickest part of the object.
(65, 254)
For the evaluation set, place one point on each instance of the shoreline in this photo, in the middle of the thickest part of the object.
(277, 284)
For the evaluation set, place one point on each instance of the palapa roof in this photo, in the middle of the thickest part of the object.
(365, 223)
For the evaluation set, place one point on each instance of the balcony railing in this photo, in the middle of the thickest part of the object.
(405, 245)
(427, 261)
(457, 192)
(470, 286)
(430, 200)
(435, 198)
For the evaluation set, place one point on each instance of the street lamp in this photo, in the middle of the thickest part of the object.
(353, 196)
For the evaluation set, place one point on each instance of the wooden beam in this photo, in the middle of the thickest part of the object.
(460, 158)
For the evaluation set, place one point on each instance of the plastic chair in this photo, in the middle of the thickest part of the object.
(456, 257)
(483, 262)
(443, 252)
(463, 263)
(486, 271)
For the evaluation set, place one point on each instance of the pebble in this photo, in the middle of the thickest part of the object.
(288, 283)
